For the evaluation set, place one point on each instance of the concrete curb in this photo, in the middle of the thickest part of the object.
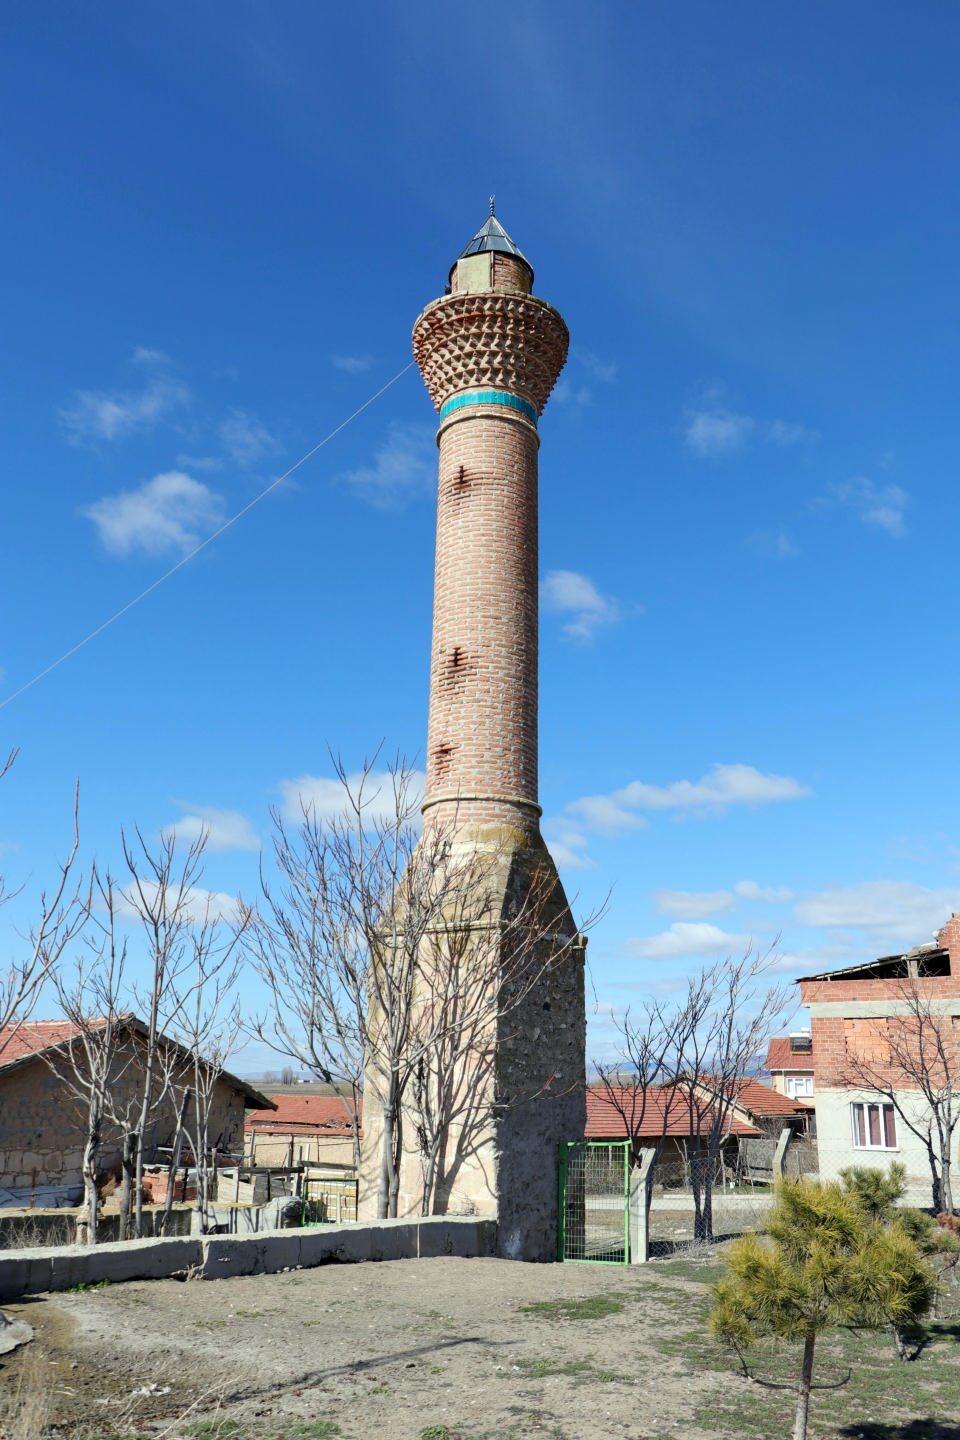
(218, 1257)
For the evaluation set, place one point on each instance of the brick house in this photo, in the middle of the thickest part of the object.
(856, 1015)
(42, 1129)
(789, 1064)
(300, 1127)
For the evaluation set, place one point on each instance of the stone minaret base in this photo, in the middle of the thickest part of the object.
(499, 1158)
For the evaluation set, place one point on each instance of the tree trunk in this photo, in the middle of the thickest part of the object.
(696, 1190)
(396, 1161)
(803, 1389)
(946, 1179)
(128, 1162)
(90, 1188)
(936, 1181)
(174, 1164)
(386, 1165)
(91, 1152)
(899, 1343)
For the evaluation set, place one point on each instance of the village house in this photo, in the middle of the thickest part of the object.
(42, 1128)
(621, 1113)
(300, 1128)
(864, 1023)
(789, 1064)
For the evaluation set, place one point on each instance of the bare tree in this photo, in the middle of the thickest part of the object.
(206, 1023)
(727, 1018)
(61, 915)
(686, 1062)
(640, 1081)
(912, 1060)
(95, 1058)
(384, 960)
(311, 960)
(160, 893)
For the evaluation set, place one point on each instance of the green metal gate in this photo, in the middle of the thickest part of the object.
(594, 1208)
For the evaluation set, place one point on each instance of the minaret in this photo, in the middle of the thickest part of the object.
(490, 353)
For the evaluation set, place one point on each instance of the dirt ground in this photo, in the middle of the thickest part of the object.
(441, 1349)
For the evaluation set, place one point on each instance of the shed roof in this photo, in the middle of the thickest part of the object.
(304, 1115)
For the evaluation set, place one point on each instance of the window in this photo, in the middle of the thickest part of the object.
(799, 1085)
(874, 1127)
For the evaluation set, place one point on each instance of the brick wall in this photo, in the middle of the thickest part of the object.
(482, 730)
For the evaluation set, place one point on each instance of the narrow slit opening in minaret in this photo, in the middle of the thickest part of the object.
(443, 755)
(461, 483)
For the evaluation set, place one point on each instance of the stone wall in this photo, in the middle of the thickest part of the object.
(42, 1126)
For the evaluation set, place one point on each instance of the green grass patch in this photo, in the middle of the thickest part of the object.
(215, 1430)
(592, 1307)
(310, 1430)
(581, 1371)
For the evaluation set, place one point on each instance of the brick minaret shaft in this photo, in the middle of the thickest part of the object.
(490, 353)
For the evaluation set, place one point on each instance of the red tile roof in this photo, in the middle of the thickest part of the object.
(664, 1113)
(781, 1057)
(304, 1115)
(29, 1037)
(760, 1099)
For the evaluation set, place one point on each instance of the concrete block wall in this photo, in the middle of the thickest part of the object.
(219, 1257)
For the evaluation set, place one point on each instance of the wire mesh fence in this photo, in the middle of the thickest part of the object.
(594, 1201)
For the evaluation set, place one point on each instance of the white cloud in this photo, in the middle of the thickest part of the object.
(774, 543)
(172, 512)
(899, 910)
(721, 787)
(323, 796)
(246, 439)
(149, 358)
(880, 505)
(683, 940)
(112, 414)
(224, 829)
(404, 466)
(565, 592)
(567, 844)
(717, 432)
(351, 364)
(714, 431)
(604, 371)
(693, 904)
(572, 389)
(199, 905)
(763, 894)
(200, 462)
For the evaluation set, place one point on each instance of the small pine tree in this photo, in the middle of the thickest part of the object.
(827, 1264)
(879, 1193)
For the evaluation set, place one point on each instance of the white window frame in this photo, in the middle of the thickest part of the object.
(866, 1106)
(800, 1087)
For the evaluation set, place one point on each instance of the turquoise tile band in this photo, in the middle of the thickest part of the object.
(489, 397)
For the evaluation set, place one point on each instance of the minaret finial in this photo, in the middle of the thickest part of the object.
(493, 203)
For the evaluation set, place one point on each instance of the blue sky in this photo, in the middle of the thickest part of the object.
(220, 222)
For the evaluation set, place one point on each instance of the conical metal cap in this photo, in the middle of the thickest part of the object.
(492, 236)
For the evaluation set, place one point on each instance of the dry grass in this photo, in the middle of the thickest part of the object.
(25, 1413)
